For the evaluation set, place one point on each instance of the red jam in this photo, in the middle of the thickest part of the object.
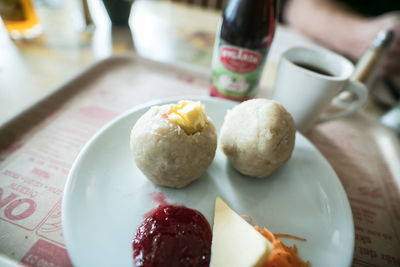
(173, 235)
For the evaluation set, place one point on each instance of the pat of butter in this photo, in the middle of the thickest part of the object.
(189, 115)
(235, 242)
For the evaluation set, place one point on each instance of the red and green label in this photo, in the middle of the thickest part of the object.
(236, 70)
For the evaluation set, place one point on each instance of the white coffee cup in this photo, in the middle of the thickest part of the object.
(306, 93)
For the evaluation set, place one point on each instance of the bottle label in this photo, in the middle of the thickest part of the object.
(236, 70)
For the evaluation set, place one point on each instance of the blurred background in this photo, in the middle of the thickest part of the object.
(44, 43)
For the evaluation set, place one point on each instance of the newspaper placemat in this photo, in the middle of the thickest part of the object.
(39, 147)
(34, 165)
(365, 156)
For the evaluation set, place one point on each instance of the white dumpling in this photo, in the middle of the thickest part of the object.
(166, 153)
(258, 137)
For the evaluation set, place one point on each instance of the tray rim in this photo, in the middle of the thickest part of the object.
(106, 64)
(120, 58)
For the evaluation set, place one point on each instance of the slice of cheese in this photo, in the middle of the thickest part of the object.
(235, 242)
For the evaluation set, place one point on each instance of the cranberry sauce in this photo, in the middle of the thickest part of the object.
(173, 235)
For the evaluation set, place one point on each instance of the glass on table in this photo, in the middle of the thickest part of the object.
(20, 18)
(118, 11)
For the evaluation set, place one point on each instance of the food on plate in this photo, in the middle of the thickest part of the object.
(235, 242)
(174, 144)
(282, 255)
(258, 137)
(173, 235)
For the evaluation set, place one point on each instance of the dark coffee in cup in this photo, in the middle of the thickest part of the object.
(313, 68)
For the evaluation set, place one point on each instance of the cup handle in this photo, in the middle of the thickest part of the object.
(360, 93)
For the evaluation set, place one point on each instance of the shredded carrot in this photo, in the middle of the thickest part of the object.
(282, 255)
(290, 236)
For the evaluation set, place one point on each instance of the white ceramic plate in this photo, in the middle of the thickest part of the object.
(106, 197)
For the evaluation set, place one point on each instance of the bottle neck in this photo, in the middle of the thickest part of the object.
(249, 23)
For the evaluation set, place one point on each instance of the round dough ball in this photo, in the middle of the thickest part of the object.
(258, 137)
(166, 154)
